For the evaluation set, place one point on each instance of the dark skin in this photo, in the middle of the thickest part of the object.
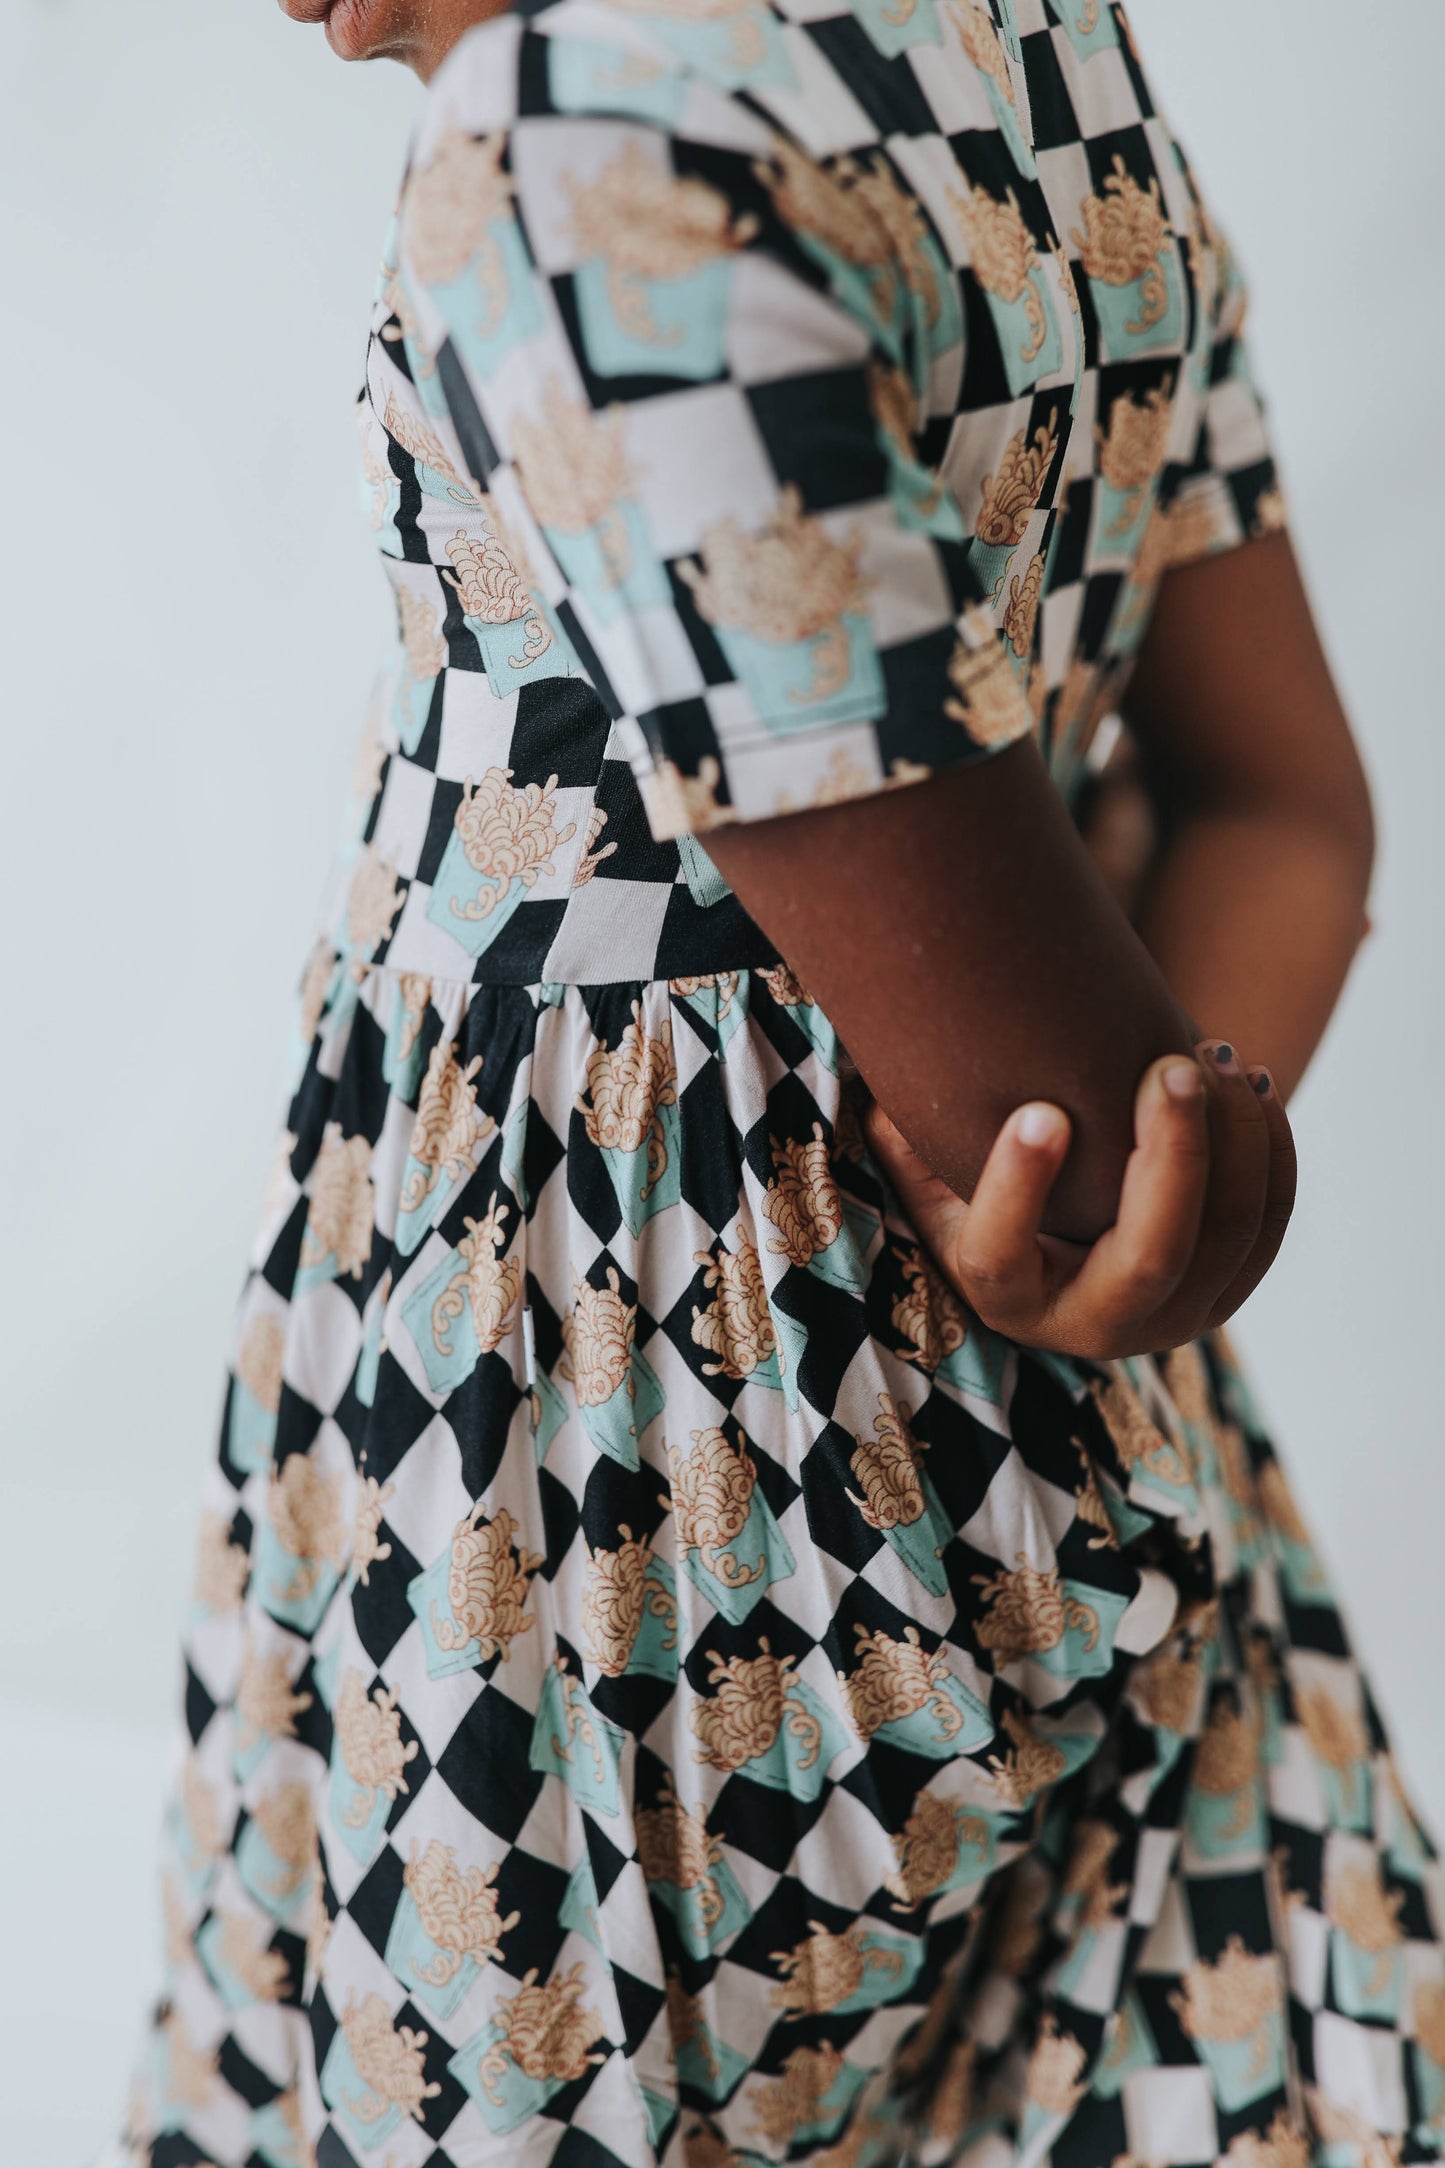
(1253, 907)
(1143, 1189)
(1248, 919)
(419, 33)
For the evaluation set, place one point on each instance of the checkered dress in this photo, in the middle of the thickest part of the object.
(666, 1684)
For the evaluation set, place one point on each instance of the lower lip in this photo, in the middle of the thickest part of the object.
(346, 27)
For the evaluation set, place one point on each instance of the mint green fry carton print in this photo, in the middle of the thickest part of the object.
(256, 1393)
(857, 1970)
(654, 265)
(1089, 23)
(830, 2086)
(369, 1760)
(1005, 258)
(447, 1925)
(1131, 460)
(503, 841)
(985, 48)
(746, 1335)
(688, 1874)
(424, 654)
(544, 2036)
(583, 74)
(789, 607)
(1225, 1812)
(1037, 1615)
(276, 1855)
(828, 211)
(1367, 1940)
(1131, 2046)
(447, 1141)
(1427, 2056)
(630, 1113)
(909, 1696)
(945, 1844)
(739, 47)
(1010, 498)
(788, 990)
(239, 1961)
(1233, 2011)
(472, 261)
(618, 1391)
(303, 1543)
(275, 2139)
(731, 1546)
(629, 1610)
(374, 2076)
(465, 1306)
(760, 1717)
(942, 1337)
(519, 637)
(896, 1498)
(895, 25)
(1131, 260)
(471, 1602)
(572, 1740)
(579, 485)
(401, 1061)
(336, 1243)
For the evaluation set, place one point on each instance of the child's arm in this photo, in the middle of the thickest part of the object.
(1255, 904)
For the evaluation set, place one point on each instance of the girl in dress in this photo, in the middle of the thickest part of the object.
(746, 1610)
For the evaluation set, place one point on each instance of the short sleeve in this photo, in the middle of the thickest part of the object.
(685, 365)
(1229, 491)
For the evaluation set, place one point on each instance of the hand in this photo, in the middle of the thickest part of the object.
(1207, 1195)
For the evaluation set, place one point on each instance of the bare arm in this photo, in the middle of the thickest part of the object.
(1255, 905)
(962, 940)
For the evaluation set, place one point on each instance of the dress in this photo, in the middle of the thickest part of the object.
(666, 1684)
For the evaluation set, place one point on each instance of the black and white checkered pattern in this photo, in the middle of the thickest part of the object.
(666, 1687)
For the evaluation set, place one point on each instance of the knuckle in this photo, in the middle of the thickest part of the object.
(1143, 1279)
(987, 1273)
(1106, 1346)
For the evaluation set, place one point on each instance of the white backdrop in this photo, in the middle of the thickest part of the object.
(192, 201)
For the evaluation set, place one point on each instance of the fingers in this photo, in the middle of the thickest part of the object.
(1207, 1194)
(1239, 1166)
(1278, 1199)
(988, 1247)
(996, 1252)
(1136, 1265)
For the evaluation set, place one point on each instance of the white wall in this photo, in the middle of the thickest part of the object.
(192, 201)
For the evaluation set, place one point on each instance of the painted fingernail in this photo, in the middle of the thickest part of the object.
(1221, 1053)
(1038, 1124)
(1182, 1080)
(1260, 1079)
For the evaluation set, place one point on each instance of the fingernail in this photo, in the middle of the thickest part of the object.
(1222, 1054)
(1261, 1080)
(1038, 1124)
(1182, 1080)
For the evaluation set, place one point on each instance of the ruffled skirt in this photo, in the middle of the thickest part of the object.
(665, 1684)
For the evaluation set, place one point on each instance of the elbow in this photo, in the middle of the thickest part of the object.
(1348, 822)
(1349, 814)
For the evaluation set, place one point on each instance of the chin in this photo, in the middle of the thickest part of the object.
(368, 30)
